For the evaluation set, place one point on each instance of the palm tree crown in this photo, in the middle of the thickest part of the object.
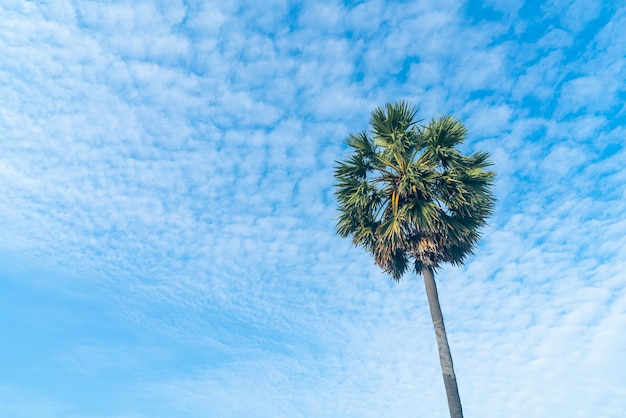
(408, 195)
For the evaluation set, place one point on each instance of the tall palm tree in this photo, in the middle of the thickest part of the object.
(413, 200)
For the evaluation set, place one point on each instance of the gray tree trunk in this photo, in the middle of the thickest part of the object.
(445, 357)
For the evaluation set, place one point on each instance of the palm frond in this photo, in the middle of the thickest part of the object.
(408, 195)
(361, 143)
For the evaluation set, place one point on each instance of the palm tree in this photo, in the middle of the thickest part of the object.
(413, 200)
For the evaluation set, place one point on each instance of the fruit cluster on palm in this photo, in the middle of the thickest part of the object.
(410, 197)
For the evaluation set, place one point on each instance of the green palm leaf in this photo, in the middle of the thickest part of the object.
(410, 187)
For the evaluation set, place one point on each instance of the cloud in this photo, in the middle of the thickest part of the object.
(172, 163)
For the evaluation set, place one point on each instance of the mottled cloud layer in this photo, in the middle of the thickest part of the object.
(167, 217)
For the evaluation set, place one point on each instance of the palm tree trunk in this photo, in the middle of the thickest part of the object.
(445, 357)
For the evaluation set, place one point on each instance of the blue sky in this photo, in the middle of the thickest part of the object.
(167, 244)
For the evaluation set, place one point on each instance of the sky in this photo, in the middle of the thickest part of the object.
(167, 218)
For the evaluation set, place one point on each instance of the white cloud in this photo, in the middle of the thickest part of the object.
(509, 7)
(573, 15)
(580, 13)
(485, 121)
(587, 92)
(177, 158)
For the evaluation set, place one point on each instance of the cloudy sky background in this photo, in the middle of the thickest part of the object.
(167, 244)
